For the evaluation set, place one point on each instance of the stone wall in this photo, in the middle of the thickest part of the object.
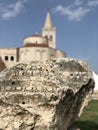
(95, 95)
(9, 56)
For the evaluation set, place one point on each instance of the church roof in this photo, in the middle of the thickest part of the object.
(37, 35)
(36, 45)
(36, 40)
(48, 22)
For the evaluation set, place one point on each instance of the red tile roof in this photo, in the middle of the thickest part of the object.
(36, 45)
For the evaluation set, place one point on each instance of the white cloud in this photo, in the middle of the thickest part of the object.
(72, 13)
(92, 3)
(78, 2)
(12, 10)
(25, 0)
(76, 10)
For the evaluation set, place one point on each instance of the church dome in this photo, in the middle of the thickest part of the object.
(35, 40)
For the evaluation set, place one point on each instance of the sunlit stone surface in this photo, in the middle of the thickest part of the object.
(44, 95)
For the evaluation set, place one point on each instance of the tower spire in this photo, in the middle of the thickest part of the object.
(48, 22)
(49, 31)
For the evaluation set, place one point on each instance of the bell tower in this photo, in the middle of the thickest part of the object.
(49, 31)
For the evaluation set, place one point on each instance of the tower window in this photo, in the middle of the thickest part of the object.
(51, 38)
(12, 58)
(6, 58)
(46, 36)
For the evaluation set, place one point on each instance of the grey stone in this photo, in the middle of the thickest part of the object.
(44, 95)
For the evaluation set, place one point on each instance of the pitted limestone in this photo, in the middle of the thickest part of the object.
(44, 95)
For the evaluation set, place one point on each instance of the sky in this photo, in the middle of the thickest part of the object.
(76, 23)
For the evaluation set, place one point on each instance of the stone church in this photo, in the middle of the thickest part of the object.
(35, 48)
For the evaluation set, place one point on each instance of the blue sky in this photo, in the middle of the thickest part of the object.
(76, 23)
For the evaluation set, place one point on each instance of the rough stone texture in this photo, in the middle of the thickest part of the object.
(44, 95)
(2, 65)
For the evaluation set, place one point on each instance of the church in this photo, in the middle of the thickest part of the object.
(35, 48)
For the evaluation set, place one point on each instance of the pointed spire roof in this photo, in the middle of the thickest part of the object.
(48, 22)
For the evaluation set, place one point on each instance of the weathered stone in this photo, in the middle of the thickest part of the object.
(2, 65)
(44, 95)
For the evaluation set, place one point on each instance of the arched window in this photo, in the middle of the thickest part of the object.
(46, 36)
(38, 55)
(51, 38)
(12, 58)
(6, 58)
(44, 55)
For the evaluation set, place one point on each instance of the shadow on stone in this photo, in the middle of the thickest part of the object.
(86, 125)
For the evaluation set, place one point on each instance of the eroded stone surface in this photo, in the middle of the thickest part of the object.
(44, 95)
